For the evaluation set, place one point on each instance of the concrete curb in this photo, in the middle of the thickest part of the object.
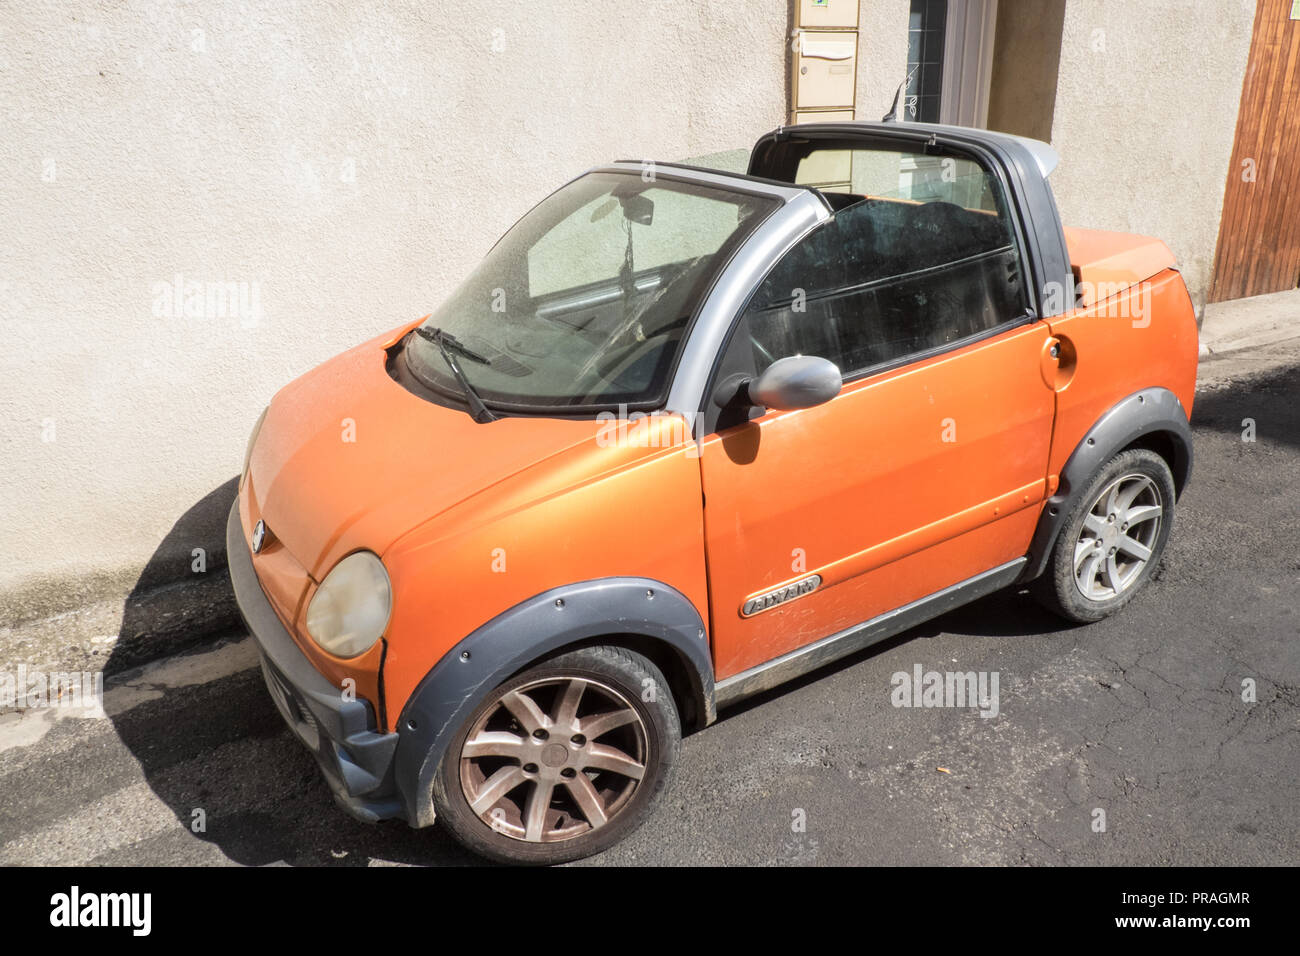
(1254, 323)
(1246, 338)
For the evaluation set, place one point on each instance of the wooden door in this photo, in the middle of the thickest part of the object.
(1259, 234)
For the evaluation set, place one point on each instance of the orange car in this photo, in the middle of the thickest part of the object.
(686, 434)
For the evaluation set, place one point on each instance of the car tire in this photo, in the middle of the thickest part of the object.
(1112, 540)
(562, 760)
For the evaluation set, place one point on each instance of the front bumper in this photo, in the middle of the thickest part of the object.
(356, 759)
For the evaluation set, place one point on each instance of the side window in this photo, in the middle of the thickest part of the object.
(919, 255)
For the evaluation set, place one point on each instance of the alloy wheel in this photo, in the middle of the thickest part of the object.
(554, 759)
(1118, 537)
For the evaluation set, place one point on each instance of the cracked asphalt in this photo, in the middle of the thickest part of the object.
(1139, 719)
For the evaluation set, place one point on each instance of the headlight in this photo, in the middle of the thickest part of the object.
(350, 609)
(252, 440)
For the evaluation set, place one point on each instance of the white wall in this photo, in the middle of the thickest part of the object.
(882, 54)
(1146, 113)
(215, 141)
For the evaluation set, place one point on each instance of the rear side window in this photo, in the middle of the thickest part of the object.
(920, 254)
(890, 174)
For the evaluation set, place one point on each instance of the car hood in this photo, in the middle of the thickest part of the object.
(347, 458)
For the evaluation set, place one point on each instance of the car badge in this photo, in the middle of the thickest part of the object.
(259, 536)
(770, 599)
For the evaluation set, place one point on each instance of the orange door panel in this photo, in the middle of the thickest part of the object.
(946, 457)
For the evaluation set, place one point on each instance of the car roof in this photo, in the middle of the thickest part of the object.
(1045, 157)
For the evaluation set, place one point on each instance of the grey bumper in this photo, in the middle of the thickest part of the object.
(356, 759)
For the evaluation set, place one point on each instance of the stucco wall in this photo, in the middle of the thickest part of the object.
(1146, 109)
(342, 163)
(882, 54)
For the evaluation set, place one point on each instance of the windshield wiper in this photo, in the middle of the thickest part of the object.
(439, 337)
(447, 344)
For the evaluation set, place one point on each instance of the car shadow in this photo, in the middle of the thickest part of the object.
(182, 595)
(217, 753)
(1263, 409)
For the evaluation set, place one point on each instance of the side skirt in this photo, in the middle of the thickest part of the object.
(812, 656)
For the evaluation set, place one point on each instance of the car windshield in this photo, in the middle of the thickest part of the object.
(586, 301)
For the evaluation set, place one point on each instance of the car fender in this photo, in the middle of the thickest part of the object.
(564, 616)
(1150, 411)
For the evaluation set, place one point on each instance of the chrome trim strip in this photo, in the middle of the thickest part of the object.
(812, 656)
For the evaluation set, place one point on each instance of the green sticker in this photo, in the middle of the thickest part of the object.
(1295, 9)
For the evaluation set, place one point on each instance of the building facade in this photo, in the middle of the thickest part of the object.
(204, 201)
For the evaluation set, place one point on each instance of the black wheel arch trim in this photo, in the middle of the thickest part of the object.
(1149, 412)
(586, 612)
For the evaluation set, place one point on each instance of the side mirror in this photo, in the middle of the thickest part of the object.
(800, 381)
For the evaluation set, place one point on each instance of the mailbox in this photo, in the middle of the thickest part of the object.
(825, 70)
(819, 14)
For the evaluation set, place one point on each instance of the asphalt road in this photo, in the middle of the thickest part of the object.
(1140, 717)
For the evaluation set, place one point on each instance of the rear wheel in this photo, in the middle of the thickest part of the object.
(1113, 539)
(562, 760)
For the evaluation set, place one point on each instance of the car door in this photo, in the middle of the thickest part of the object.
(929, 466)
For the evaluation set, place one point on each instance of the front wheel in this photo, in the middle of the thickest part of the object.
(562, 760)
(1113, 539)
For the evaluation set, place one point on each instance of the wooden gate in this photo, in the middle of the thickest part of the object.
(1259, 234)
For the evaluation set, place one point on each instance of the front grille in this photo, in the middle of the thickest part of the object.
(300, 719)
